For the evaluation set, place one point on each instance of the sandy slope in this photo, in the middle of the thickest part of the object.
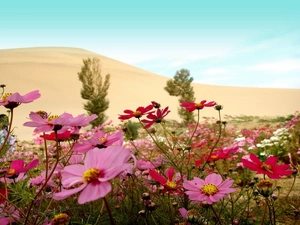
(53, 71)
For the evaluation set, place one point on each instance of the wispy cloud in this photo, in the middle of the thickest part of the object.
(278, 66)
(216, 71)
(213, 80)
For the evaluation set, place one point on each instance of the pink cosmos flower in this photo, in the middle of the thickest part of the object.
(210, 190)
(8, 214)
(191, 106)
(156, 118)
(99, 140)
(139, 112)
(11, 101)
(45, 123)
(143, 164)
(92, 178)
(75, 123)
(268, 167)
(169, 185)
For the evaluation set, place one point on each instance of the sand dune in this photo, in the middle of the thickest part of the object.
(53, 71)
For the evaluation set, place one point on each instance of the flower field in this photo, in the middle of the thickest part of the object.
(148, 169)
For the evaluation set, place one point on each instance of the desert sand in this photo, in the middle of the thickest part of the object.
(53, 71)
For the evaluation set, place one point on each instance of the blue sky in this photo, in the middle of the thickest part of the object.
(233, 43)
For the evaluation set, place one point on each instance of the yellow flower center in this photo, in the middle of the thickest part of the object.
(171, 185)
(52, 117)
(102, 139)
(213, 156)
(11, 171)
(209, 189)
(91, 175)
(60, 219)
(266, 167)
(198, 105)
(5, 95)
(137, 113)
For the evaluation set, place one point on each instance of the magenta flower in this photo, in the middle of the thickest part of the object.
(191, 106)
(268, 167)
(92, 178)
(99, 140)
(139, 112)
(210, 190)
(18, 166)
(156, 118)
(11, 101)
(169, 185)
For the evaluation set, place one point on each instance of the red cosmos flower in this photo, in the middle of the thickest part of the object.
(18, 166)
(169, 185)
(156, 118)
(191, 106)
(140, 111)
(268, 167)
(60, 137)
(223, 153)
(11, 101)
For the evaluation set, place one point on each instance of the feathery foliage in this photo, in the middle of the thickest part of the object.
(180, 86)
(94, 89)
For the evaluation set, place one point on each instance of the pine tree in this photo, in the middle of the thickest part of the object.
(94, 90)
(180, 86)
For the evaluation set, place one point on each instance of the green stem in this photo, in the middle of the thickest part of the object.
(153, 219)
(112, 222)
(197, 124)
(45, 183)
(212, 149)
(264, 216)
(162, 150)
(218, 218)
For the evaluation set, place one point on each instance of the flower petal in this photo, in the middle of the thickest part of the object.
(94, 191)
(66, 193)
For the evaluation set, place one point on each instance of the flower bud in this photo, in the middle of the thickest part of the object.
(218, 107)
(146, 196)
(193, 216)
(265, 187)
(60, 219)
(151, 206)
(142, 212)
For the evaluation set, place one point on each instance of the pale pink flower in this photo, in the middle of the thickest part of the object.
(210, 190)
(99, 140)
(92, 178)
(75, 123)
(45, 124)
(8, 214)
(11, 101)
